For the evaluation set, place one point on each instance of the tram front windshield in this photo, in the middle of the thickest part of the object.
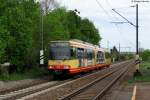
(59, 51)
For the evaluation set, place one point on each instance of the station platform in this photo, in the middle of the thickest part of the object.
(138, 91)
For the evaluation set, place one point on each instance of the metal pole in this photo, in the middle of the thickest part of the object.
(137, 33)
(137, 30)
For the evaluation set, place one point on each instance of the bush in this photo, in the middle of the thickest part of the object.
(145, 55)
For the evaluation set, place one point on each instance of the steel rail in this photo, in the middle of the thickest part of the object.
(104, 90)
(30, 90)
(78, 91)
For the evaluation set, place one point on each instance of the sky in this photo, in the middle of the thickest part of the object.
(100, 12)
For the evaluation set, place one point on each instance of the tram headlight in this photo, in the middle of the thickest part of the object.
(66, 67)
(50, 67)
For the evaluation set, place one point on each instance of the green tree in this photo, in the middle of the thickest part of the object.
(18, 26)
(4, 37)
(73, 25)
(55, 27)
(89, 32)
(145, 55)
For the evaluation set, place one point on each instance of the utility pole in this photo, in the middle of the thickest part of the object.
(137, 38)
(137, 56)
(137, 28)
(137, 31)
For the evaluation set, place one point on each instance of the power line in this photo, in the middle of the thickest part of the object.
(110, 17)
(99, 4)
(108, 3)
(105, 11)
(119, 31)
(124, 18)
(111, 8)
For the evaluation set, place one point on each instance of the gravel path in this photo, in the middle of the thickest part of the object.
(14, 85)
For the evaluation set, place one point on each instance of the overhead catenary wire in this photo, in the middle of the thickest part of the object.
(106, 13)
(118, 29)
(111, 8)
(109, 16)
(99, 4)
(116, 24)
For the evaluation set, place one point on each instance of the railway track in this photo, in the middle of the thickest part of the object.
(18, 85)
(30, 90)
(22, 92)
(54, 89)
(97, 88)
(63, 89)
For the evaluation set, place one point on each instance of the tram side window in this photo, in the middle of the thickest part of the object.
(100, 57)
(85, 54)
(89, 54)
(97, 59)
(73, 53)
(80, 53)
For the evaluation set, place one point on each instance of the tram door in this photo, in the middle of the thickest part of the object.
(80, 56)
(90, 56)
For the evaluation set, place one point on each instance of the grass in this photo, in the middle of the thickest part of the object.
(145, 73)
(32, 73)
